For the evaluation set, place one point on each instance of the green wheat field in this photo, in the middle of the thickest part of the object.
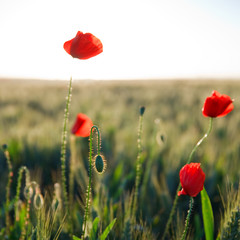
(31, 122)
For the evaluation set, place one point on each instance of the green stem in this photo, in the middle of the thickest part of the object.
(38, 223)
(201, 140)
(72, 167)
(72, 170)
(138, 167)
(188, 218)
(63, 146)
(179, 185)
(27, 217)
(8, 189)
(24, 232)
(19, 182)
(90, 177)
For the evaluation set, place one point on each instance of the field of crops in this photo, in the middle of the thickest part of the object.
(31, 122)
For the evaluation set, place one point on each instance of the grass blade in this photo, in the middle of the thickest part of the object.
(207, 213)
(94, 228)
(107, 230)
(76, 238)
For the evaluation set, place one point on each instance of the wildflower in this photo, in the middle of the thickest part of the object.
(82, 125)
(83, 46)
(217, 105)
(192, 179)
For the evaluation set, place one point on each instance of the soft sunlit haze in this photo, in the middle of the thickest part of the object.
(142, 39)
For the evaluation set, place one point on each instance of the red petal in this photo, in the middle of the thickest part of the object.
(83, 46)
(182, 192)
(192, 179)
(217, 105)
(82, 125)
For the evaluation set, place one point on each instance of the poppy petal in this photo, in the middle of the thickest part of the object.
(83, 46)
(217, 105)
(192, 179)
(82, 126)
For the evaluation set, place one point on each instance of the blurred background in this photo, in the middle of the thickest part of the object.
(31, 124)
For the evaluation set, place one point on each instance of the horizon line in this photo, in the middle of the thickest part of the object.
(2, 78)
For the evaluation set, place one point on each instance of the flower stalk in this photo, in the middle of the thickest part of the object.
(72, 169)
(138, 164)
(89, 188)
(19, 181)
(63, 147)
(179, 185)
(188, 219)
(28, 192)
(8, 188)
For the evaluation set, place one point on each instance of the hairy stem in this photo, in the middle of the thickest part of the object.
(188, 219)
(138, 166)
(19, 182)
(63, 146)
(89, 189)
(8, 189)
(24, 232)
(72, 169)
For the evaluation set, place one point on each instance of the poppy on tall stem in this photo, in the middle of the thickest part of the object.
(179, 185)
(83, 46)
(192, 180)
(217, 105)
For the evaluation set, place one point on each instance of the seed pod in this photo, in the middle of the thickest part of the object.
(99, 164)
(28, 191)
(38, 201)
(55, 204)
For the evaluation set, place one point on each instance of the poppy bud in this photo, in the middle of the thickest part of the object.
(192, 179)
(28, 191)
(142, 110)
(99, 164)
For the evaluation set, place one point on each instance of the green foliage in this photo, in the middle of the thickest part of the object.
(232, 230)
(230, 222)
(94, 228)
(107, 230)
(76, 238)
(207, 213)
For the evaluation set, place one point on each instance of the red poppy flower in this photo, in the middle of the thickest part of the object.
(83, 46)
(82, 125)
(192, 179)
(218, 105)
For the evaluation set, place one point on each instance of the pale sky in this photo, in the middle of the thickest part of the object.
(141, 38)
